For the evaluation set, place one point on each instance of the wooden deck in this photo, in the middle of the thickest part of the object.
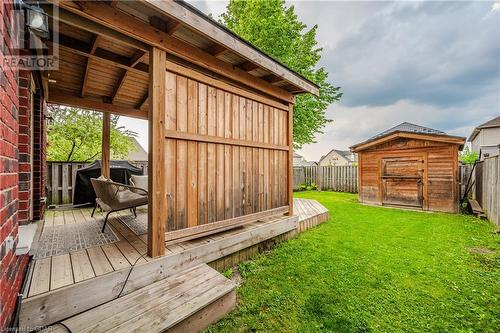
(161, 306)
(310, 213)
(59, 271)
(101, 271)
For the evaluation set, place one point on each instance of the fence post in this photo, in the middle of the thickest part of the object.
(319, 177)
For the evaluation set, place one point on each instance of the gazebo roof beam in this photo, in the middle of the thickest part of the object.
(93, 48)
(59, 97)
(169, 26)
(272, 79)
(137, 57)
(117, 60)
(248, 66)
(134, 60)
(143, 101)
(217, 49)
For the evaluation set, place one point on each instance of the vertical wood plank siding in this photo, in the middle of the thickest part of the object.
(220, 162)
(434, 162)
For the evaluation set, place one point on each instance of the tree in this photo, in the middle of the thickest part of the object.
(468, 157)
(276, 30)
(76, 135)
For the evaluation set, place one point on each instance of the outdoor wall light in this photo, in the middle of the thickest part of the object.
(37, 21)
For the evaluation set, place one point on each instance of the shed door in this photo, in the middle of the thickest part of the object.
(402, 181)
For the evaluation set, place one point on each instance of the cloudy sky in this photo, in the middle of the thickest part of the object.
(436, 64)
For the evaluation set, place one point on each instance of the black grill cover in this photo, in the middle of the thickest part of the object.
(120, 172)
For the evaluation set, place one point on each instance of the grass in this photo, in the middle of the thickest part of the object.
(374, 269)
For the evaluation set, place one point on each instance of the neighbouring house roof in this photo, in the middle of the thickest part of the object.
(299, 160)
(409, 130)
(139, 154)
(347, 154)
(306, 163)
(495, 122)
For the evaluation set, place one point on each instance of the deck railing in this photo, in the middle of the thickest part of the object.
(327, 178)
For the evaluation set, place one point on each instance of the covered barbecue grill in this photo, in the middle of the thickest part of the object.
(120, 172)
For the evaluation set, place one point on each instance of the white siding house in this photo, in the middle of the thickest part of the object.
(486, 138)
(338, 158)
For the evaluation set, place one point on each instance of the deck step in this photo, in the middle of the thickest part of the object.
(190, 300)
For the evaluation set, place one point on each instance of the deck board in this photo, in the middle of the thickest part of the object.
(99, 261)
(82, 268)
(115, 257)
(156, 307)
(61, 273)
(40, 281)
(93, 262)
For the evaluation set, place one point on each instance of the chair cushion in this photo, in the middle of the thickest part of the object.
(140, 181)
(111, 189)
(127, 198)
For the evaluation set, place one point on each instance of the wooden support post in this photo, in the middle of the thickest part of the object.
(105, 156)
(157, 212)
(290, 159)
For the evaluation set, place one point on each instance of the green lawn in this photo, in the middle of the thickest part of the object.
(373, 269)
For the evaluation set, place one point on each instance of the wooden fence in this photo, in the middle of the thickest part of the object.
(484, 185)
(61, 179)
(327, 178)
(487, 187)
(464, 173)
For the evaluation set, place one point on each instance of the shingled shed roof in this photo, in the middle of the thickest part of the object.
(495, 122)
(409, 130)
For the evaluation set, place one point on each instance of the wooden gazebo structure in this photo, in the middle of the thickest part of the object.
(220, 166)
(219, 110)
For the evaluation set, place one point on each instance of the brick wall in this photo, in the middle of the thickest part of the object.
(24, 146)
(31, 144)
(11, 266)
(39, 155)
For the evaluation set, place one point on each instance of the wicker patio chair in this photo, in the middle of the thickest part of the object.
(112, 197)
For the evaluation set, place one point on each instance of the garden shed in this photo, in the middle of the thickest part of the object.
(410, 166)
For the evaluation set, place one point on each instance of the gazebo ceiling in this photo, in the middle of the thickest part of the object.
(95, 67)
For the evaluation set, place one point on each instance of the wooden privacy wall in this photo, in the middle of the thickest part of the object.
(226, 153)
